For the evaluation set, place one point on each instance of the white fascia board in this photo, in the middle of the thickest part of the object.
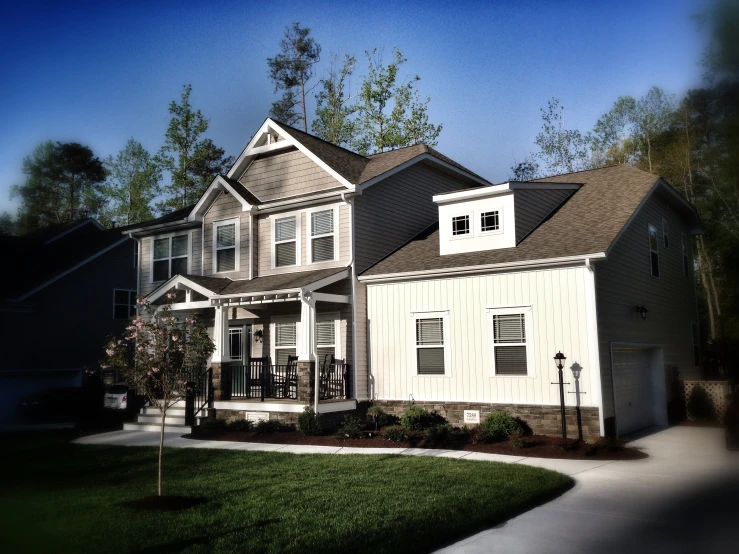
(413, 161)
(483, 192)
(175, 281)
(245, 152)
(147, 230)
(302, 201)
(337, 298)
(219, 184)
(70, 270)
(471, 270)
(74, 228)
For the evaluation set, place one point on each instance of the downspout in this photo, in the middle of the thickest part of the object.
(202, 247)
(251, 245)
(351, 264)
(591, 304)
(138, 267)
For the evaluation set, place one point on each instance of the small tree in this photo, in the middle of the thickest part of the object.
(157, 355)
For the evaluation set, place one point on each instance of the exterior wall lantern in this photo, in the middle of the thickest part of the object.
(559, 361)
(642, 311)
(258, 335)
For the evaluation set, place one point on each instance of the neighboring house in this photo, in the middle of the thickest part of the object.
(66, 288)
(428, 284)
(596, 264)
(269, 258)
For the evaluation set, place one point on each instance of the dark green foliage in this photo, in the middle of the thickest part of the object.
(309, 423)
(257, 502)
(516, 441)
(266, 426)
(438, 434)
(350, 428)
(499, 426)
(416, 418)
(395, 434)
(700, 405)
(377, 417)
(241, 425)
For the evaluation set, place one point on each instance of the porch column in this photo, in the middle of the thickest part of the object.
(221, 355)
(307, 351)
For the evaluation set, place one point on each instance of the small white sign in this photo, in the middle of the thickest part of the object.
(472, 416)
(257, 416)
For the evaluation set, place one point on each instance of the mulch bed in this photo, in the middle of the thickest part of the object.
(166, 503)
(535, 446)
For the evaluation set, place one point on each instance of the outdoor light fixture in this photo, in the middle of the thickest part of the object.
(258, 335)
(559, 360)
(576, 370)
(642, 311)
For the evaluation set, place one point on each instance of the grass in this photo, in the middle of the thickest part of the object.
(59, 497)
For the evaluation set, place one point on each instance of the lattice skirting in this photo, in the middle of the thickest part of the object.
(717, 391)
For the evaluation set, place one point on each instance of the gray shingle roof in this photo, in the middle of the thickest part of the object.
(586, 223)
(225, 286)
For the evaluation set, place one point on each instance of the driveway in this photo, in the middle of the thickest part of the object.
(683, 498)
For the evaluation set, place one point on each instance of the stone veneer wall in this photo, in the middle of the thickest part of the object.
(239, 415)
(543, 420)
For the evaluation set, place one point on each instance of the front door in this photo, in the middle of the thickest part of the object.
(239, 337)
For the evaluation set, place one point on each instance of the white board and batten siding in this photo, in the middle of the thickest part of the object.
(557, 298)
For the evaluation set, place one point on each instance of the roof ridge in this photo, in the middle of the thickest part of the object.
(613, 166)
(425, 146)
(319, 138)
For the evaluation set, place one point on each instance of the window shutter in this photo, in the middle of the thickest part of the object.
(323, 249)
(322, 223)
(285, 334)
(285, 229)
(325, 332)
(226, 235)
(430, 331)
(226, 259)
(179, 246)
(510, 360)
(285, 254)
(509, 328)
(431, 361)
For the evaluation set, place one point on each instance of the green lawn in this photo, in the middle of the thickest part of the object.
(59, 497)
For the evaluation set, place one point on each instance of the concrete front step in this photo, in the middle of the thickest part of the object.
(168, 428)
(175, 412)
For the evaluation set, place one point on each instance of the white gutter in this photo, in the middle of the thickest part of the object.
(306, 200)
(471, 270)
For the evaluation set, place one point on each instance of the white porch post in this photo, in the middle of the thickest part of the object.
(220, 336)
(307, 337)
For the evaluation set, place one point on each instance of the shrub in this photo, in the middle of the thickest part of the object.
(517, 441)
(499, 426)
(241, 425)
(395, 434)
(266, 426)
(438, 434)
(700, 405)
(376, 415)
(350, 428)
(416, 418)
(309, 422)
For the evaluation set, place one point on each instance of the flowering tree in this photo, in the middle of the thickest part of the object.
(157, 355)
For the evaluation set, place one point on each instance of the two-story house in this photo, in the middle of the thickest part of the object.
(269, 257)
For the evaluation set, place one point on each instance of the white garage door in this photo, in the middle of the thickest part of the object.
(633, 389)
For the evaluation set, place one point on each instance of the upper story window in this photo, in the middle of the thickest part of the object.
(124, 303)
(490, 221)
(460, 225)
(169, 257)
(226, 246)
(286, 243)
(686, 266)
(512, 348)
(665, 234)
(653, 250)
(322, 236)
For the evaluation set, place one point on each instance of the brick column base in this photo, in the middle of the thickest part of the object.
(306, 382)
(221, 382)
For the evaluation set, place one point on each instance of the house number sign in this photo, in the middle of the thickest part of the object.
(472, 416)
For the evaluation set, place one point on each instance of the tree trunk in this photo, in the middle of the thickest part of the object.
(302, 103)
(161, 450)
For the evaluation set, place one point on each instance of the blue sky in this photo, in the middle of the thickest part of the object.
(101, 72)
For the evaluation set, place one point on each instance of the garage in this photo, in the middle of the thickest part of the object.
(638, 388)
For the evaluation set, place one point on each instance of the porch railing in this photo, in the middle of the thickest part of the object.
(259, 379)
(334, 382)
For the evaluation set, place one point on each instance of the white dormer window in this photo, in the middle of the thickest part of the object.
(286, 243)
(226, 245)
(322, 236)
(460, 225)
(490, 221)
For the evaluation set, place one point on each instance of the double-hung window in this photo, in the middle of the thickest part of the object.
(326, 340)
(169, 257)
(490, 221)
(512, 346)
(285, 341)
(124, 304)
(460, 225)
(653, 251)
(686, 266)
(431, 344)
(665, 234)
(322, 236)
(226, 246)
(286, 243)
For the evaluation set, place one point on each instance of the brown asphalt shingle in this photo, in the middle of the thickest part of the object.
(225, 286)
(587, 223)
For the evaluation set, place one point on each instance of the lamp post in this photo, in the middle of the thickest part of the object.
(559, 361)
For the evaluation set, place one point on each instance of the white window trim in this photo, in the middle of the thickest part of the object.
(470, 233)
(478, 221)
(444, 315)
(169, 236)
(665, 234)
(237, 245)
(298, 238)
(309, 237)
(649, 244)
(528, 313)
(129, 291)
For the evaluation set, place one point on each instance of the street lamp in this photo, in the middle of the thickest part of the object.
(559, 361)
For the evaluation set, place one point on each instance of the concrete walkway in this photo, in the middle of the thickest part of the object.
(683, 498)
